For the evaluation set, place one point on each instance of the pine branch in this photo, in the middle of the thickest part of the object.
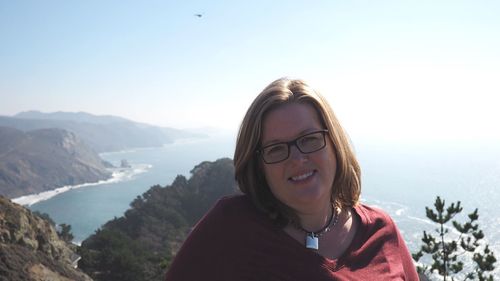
(445, 252)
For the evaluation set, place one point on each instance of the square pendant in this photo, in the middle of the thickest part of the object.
(312, 242)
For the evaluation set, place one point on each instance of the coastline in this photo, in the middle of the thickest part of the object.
(118, 175)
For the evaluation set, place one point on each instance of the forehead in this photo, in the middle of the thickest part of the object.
(289, 121)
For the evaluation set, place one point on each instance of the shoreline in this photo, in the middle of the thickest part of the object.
(118, 175)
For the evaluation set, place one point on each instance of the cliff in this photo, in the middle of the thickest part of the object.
(41, 160)
(30, 249)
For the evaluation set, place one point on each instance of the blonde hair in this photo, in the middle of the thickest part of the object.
(248, 165)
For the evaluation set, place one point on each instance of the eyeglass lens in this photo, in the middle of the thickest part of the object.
(308, 143)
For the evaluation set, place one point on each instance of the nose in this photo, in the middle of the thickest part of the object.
(295, 153)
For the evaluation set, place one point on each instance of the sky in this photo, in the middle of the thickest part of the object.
(395, 70)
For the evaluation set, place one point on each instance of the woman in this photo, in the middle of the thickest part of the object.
(299, 217)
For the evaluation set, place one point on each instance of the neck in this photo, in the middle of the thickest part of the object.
(317, 219)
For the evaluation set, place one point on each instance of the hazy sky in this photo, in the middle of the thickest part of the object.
(411, 70)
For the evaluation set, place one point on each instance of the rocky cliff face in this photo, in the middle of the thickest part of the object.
(41, 160)
(30, 249)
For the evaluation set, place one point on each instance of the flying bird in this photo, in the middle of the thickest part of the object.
(198, 15)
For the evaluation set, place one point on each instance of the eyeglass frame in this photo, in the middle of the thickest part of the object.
(260, 151)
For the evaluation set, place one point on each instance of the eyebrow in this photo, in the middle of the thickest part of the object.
(301, 133)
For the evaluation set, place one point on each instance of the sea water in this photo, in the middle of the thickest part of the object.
(87, 207)
(403, 179)
(400, 178)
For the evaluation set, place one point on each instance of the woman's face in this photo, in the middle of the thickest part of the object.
(303, 181)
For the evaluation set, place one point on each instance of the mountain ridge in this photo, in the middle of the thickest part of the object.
(79, 116)
(105, 133)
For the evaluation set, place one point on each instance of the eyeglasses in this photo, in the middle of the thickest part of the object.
(308, 143)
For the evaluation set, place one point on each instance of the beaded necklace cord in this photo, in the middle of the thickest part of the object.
(312, 241)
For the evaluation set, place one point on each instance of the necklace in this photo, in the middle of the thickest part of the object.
(312, 241)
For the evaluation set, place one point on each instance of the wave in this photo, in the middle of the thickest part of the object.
(393, 208)
(118, 175)
(129, 150)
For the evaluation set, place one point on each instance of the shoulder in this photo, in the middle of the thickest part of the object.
(218, 244)
(373, 216)
(379, 236)
(231, 215)
(234, 207)
(376, 222)
(233, 202)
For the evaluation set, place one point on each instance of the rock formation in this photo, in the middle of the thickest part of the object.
(30, 249)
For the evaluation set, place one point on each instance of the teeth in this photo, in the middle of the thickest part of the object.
(301, 177)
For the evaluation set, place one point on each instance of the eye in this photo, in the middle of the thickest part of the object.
(277, 149)
(310, 140)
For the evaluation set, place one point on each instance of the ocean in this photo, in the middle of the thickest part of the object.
(86, 208)
(400, 178)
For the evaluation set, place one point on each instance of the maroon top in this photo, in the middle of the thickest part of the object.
(236, 242)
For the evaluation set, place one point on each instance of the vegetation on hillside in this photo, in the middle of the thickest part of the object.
(141, 244)
(63, 230)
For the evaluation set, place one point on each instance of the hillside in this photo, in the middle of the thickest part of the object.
(140, 245)
(41, 160)
(30, 249)
(102, 133)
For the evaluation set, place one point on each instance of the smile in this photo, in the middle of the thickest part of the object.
(302, 176)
